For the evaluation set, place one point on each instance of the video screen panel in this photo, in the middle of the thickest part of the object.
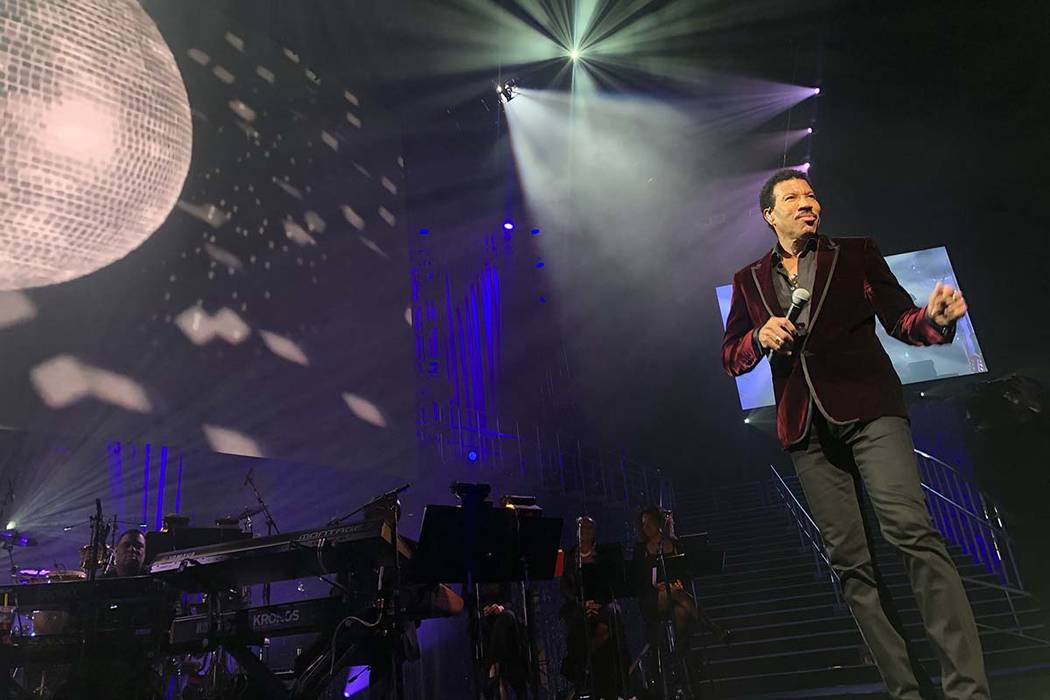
(918, 272)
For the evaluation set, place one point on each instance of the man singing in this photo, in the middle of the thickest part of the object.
(841, 416)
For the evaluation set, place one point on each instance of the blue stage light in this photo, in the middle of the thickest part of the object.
(509, 225)
(424, 232)
(472, 456)
(535, 232)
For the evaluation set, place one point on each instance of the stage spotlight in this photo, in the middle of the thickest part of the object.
(747, 420)
(11, 525)
(809, 130)
(805, 167)
(508, 225)
(575, 55)
(535, 232)
(508, 91)
(816, 91)
(472, 456)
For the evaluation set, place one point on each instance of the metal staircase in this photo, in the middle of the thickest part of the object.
(792, 635)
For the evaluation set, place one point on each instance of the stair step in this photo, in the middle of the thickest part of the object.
(849, 636)
(843, 622)
(740, 582)
(790, 636)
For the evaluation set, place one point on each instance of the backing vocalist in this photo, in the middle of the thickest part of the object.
(841, 416)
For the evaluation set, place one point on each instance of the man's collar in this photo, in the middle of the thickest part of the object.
(810, 244)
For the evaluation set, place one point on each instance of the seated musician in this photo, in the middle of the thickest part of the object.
(121, 668)
(503, 640)
(593, 623)
(660, 600)
(129, 556)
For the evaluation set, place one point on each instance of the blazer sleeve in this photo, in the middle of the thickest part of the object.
(894, 306)
(740, 353)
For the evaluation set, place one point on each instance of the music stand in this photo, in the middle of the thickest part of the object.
(478, 543)
(704, 559)
(607, 579)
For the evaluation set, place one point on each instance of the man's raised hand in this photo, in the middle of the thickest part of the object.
(946, 305)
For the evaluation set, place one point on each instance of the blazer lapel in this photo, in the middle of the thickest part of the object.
(827, 257)
(762, 272)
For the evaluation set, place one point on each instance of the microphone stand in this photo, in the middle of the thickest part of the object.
(670, 632)
(399, 676)
(9, 498)
(526, 592)
(581, 601)
(271, 525)
(99, 530)
(377, 499)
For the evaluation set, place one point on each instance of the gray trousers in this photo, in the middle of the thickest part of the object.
(830, 462)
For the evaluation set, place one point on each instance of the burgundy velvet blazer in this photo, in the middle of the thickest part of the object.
(840, 361)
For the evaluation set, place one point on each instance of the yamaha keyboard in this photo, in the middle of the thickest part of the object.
(312, 552)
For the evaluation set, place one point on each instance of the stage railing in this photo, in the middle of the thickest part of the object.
(542, 460)
(808, 533)
(965, 517)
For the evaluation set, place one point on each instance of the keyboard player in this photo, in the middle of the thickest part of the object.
(418, 602)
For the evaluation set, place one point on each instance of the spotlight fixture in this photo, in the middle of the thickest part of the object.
(508, 90)
(508, 225)
(816, 91)
(575, 55)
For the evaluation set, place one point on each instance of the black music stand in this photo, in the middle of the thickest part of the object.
(479, 543)
(704, 559)
(607, 579)
(697, 559)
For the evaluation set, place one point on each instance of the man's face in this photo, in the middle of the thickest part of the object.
(795, 212)
(131, 552)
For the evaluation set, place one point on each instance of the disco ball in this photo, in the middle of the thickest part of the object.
(95, 136)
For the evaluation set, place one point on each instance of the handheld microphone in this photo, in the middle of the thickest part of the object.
(799, 299)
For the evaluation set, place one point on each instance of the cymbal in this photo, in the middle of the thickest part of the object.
(14, 537)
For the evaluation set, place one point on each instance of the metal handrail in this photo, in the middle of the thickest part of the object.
(1010, 592)
(811, 533)
(982, 536)
(784, 488)
(964, 510)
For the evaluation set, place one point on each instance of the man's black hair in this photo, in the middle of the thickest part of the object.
(765, 197)
(131, 531)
